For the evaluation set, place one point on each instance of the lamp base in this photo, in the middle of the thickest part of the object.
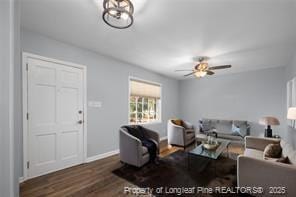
(268, 131)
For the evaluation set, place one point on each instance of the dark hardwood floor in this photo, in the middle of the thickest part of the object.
(91, 179)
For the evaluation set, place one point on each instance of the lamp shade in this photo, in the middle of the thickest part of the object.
(291, 113)
(269, 120)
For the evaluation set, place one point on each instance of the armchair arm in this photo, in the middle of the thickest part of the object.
(253, 172)
(259, 143)
(188, 125)
(151, 134)
(130, 148)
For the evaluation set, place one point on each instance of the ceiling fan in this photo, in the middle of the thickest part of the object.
(202, 68)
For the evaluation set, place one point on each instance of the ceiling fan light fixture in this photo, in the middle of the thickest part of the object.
(118, 13)
(200, 74)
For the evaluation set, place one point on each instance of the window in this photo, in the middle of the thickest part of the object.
(144, 102)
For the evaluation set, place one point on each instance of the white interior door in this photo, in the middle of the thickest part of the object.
(55, 122)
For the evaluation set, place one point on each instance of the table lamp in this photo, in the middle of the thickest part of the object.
(292, 115)
(268, 121)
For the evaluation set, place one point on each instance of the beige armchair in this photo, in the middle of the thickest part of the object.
(180, 133)
(254, 171)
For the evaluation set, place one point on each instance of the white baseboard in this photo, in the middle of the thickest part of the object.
(102, 156)
(21, 179)
(163, 138)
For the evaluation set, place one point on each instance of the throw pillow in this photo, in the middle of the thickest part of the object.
(177, 122)
(236, 130)
(273, 151)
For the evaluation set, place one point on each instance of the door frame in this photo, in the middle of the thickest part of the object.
(25, 125)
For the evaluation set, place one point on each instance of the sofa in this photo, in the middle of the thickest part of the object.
(132, 151)
(255, 171)
(234, 130)
(180, 132)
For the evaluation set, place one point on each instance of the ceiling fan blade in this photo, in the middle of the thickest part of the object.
(219, 67)
(189, 74)
(183, 70)
(210, 72)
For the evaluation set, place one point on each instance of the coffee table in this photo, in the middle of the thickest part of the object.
(211, 155)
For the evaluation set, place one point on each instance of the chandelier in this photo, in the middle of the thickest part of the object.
(118, 13)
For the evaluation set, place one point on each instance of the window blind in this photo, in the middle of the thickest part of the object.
(144, 89)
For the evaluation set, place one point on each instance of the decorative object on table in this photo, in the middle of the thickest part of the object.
(276, 136)
(213, 133)
(291, 115)
(211, 143)
(268, 121)
(118, 13)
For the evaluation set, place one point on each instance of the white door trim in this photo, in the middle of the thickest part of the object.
(25, 56)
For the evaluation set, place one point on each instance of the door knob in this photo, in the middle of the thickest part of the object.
(80, 121)
(80, 112)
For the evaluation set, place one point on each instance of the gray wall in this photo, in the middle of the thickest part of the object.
(290, 74)
(242, 96)
(9, 45)
(107, 81)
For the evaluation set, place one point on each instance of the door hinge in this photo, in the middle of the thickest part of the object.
(28, 164)
(27, 116)
(27, 67)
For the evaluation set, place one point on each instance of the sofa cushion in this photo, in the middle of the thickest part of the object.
(223, 126)
(230, 137)
(272, 151)
(288, 151)
(253, 153)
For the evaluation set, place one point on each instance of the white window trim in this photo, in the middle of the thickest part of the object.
(128, 100)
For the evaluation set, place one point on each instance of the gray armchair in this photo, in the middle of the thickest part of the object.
(131, 150)
(181, 133)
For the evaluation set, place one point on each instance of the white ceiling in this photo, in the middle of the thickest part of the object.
(168, 34)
